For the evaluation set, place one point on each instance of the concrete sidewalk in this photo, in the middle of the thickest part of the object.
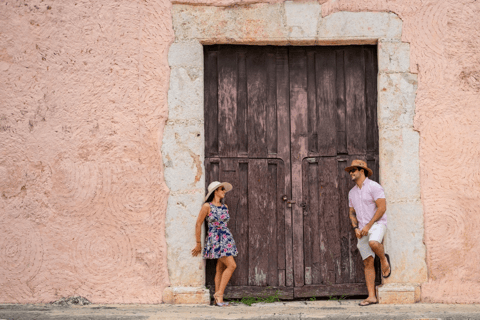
(346, 309)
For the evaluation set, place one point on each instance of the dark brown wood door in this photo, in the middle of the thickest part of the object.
(281, 124)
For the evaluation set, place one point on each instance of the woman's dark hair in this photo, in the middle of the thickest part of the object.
(210, 197)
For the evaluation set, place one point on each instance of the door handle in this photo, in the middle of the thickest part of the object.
(290, 202)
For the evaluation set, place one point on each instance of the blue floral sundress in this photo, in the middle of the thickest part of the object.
(219, 240)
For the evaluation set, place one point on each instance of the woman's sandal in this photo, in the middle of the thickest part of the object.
(216, 296)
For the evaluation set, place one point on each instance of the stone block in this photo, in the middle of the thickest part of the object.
(404, 242)
(400, 166)
(183, 153)
(182, 213)
(302, 19)
(186, 54)
(396, 95)
(360, 25)
(398, 294)
(393, 56)
(185, 95)
(242, 24)
(186, 295)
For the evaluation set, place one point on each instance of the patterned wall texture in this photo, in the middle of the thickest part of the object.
(82, 108)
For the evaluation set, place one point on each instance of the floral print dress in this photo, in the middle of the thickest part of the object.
(219, 241)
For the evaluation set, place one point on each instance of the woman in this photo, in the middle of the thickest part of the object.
(219, 243)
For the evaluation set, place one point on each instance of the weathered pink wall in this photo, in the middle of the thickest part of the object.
(83, 103)
(82, 107)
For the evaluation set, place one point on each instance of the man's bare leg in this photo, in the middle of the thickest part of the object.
(377, 247)
(370, 279)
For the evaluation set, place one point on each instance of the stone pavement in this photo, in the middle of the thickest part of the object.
(346, 309)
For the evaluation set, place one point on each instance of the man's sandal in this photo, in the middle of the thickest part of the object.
(389, 265)
(365, 303)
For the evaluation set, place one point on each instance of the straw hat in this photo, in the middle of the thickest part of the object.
(359, 164)
(215, 185)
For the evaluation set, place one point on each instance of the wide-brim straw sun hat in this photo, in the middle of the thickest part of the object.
(359, 164)
(215, 185)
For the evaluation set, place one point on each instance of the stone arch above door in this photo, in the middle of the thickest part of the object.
(290, 23)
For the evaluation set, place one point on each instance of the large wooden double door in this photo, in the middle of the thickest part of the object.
(281, 124)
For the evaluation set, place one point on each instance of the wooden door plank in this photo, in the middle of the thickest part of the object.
(242, 108)
(299, 145)
(371, 71)
(341, 104)
(350, 289)
(211, 101)
(239, 292)
(355, 100)
(257, 100)
(312, 215)
(257, 224)
(271, 107)
(326, 101)
(271, 220)
(227, 102)
(283, 149)
(280, 207)
(313, 117)
(330, 224)
(242, 225)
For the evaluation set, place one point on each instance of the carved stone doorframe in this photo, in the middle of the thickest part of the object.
(290, 23)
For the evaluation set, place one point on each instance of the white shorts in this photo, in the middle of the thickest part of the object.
(376, 233)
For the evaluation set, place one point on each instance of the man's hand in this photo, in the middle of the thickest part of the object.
(358, 233)
(365, 230)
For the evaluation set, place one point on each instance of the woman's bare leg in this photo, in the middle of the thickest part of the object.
(230, 264)
(218, 274)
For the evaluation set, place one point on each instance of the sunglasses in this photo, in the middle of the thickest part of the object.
(353, 170)
(221, 189)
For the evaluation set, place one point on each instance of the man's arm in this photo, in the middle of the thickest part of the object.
(381, 208)
(353, 217)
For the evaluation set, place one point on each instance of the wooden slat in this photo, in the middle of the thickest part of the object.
(313, 117)
(350, 289)
(211, 103)
(238, 292)
(355, 101)
(280, 207)
(371, 70)
(312, 216)
(326, 102)
(271, 219)
(298, 101)
(227, 102)
(308, 231)
(283, 120)
(341, 104)
(271, 107)
(257, 224)
(330, 224)
(257, 100)
(242, 108)
(242, 229)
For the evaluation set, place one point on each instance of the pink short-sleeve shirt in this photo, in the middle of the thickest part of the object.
(363, 201)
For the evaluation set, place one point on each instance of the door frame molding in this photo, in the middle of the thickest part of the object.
(290, 23)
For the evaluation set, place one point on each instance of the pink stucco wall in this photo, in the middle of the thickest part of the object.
(82, 108)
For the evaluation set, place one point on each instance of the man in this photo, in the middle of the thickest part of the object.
(367, 213)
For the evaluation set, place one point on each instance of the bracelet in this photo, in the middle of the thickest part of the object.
(199, 241)
(355, 228)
